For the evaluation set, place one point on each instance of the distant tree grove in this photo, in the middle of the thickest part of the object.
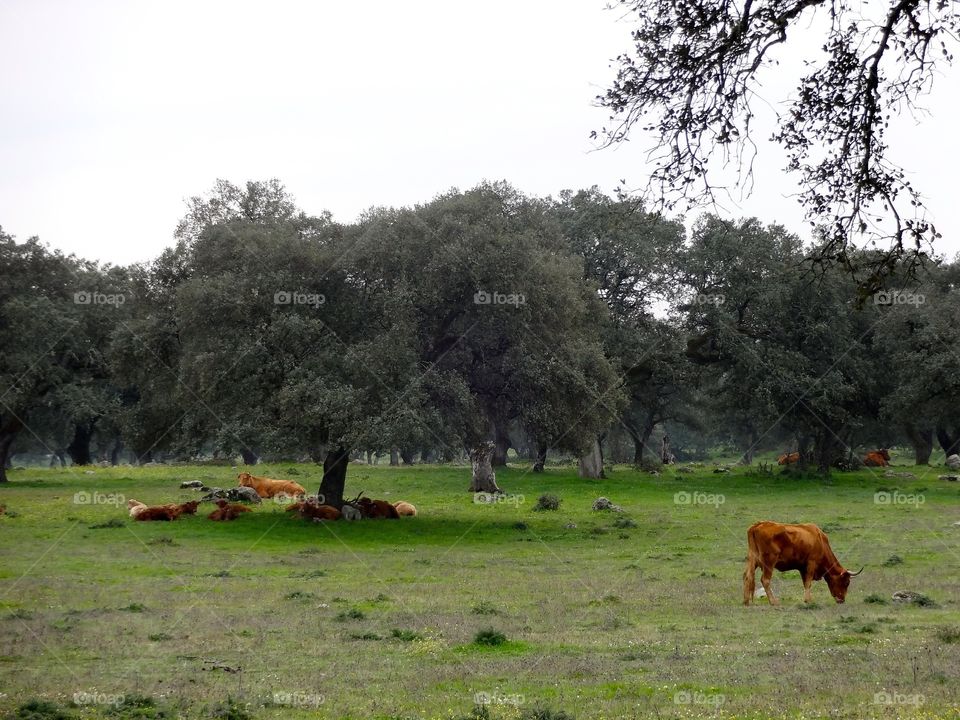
(476, 324)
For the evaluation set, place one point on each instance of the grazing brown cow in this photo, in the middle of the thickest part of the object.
(788, 459)
(877, 458)
(405, 509)
(773, 545)
(268, 488)
(310, 508)
(227, 511)
(377, 509)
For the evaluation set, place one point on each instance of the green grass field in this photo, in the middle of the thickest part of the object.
(604, 615)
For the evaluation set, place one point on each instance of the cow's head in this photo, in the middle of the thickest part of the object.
(885, 454)
(839, 583)
(245, 479)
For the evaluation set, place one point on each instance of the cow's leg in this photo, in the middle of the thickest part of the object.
(807, 583)
(749, 579)
(765, 578)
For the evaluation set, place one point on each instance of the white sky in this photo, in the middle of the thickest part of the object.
(113, 112)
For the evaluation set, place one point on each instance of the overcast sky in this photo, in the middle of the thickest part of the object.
(111, 113)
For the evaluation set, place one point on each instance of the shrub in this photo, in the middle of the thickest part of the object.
(547, 501)
(111, 523)
(484, 607)
(351, 614)
(539, 713)
(490, 637)
(624, 522)
(41, 710)
(949, 634)
(230, 710)
(405, 635)
(893, 560)
(875, 599)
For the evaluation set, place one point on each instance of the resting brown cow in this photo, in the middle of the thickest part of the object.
(405, 509)
(227, 511)
(268, 488)
(877, 458)
(310, 508)
(773, 545)
(788, 459)
(377, 509)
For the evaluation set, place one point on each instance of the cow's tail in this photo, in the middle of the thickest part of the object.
(750, 569)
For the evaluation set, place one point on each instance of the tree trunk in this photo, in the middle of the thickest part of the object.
(922, 441)
(79, 447)
(591, 464)
(394, 456)
(115, 451)
(334, 476)
(826, 451)
(803, 450)
(541, 458)
(501, 446)
(249, 456)
(8, 432)
(483, 478)
(948, 441)
(666, 457)
(747, 457)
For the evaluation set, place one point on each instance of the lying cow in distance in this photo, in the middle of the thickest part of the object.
(788, 459)
(377, 509)
(311, 508)
(773, 545)
(227, 511)
(877, 458)
(171, 511)
(268, 488)
(405, 509)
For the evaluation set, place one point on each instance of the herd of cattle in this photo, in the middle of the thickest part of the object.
(308, 507)
(770, 545)
(875, 458)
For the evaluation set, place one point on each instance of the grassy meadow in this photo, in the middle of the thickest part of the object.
(529, 613)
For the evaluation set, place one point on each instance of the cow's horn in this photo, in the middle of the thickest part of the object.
(856, 573)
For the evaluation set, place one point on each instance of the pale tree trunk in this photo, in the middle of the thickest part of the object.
(483, 478)
(591, 464)
(394, 456)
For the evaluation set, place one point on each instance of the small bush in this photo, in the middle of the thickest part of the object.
(366, 636)
(405, 635)
(484, 607)
(230, 710)
(138, 707)
(299, 595)
(19, 614)
(159, 637)
(624, 522)
(893, 560)
(134, 608)
(547, 501)
(351, 614)
(521, 526)
(490, 637)
(41, 710)
(875, 599)
(948, 634)
(169, 541)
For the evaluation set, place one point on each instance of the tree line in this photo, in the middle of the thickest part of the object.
(477, 322)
